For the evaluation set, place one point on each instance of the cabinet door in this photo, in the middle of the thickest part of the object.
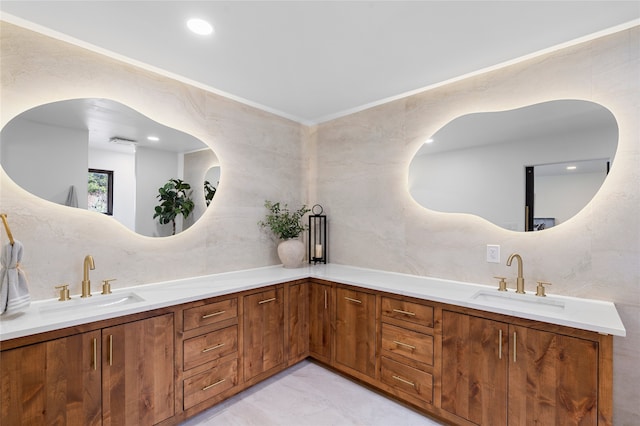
(55, 382)
(263, 331)
(553, 379)
(355, 345)
(320, 321)
(138, 365)
(298, 320)
(474, 368)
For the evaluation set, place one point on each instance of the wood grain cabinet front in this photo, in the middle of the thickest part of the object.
(263, 332)
(407, 344)
(211, 383)
(410, 381)
(120, 375)
(355, 334)
(408, 311)
(210, 346)
(498, 373)
(210, 313)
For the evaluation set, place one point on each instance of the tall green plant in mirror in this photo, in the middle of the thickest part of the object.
(175, 199)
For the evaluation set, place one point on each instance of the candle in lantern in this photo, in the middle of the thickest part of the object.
(318, 251)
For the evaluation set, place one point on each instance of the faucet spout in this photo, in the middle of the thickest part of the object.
(86, 283)
(520, 280)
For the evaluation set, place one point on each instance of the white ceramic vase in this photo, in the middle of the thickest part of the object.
(291, 253)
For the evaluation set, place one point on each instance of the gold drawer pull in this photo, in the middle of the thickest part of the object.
(413, 314)
(500, 344)
(404, 344)
(353, 300)
(212, 348)
(213, 384)
(400, 379)
(213, 314)
(266, 301)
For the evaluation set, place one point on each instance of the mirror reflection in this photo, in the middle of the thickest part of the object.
(101, 155)
(530, 168)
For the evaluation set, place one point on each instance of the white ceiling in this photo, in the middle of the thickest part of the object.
(316, 60)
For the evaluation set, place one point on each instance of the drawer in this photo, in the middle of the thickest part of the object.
(210, 383)
(407, 343)
(209, 347)
(407, 379)
(210, 313)
(407, 311)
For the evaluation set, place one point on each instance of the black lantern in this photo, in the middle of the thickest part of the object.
(317, 235)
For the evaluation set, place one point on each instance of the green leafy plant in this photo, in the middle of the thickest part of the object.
(175, 199)
(284, 223)
(209, 192)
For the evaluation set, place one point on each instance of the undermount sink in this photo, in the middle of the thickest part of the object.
(96, 302)
(519, 301)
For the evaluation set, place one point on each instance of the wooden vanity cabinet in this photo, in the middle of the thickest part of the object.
(355, 336)
(407, 350)
(474, 368)
(498, 373)
(263, 332)
(116, 375)
(320, 314)
(137, 365)
(54, 382)
(210, 358)
(297, 308)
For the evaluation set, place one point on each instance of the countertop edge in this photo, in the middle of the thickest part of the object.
(198, 288)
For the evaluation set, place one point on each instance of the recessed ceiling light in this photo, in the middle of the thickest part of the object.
(153, 138)
(571, 167)
(199, 26)
(430, 140)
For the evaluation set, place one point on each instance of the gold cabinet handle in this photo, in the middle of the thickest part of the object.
(213, 384)
(213, 314)
(404, 344)
(515, 353)
(413, 314)
(212, 348)
(499, 344)
(266, 301)
(353, 300)
(407, 382)
(325, 299)
(95, 353)
(111, 349)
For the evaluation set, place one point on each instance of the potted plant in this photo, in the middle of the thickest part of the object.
(175, 199)
(287, 226)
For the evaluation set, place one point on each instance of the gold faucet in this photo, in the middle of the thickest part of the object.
(86, 283)
(520, 280)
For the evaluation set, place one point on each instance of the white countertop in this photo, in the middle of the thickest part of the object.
(47, 315)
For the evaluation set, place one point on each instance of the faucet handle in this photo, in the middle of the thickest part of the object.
(106, 286)
(540, 288)
(64, 292)
(502, 285)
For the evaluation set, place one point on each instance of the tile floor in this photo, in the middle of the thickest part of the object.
(309, 395)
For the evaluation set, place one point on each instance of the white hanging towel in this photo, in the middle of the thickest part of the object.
(72, 198)
(14, 292)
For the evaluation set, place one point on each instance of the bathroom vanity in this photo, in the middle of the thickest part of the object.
(160, 353)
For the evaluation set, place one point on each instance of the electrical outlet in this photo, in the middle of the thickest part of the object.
(493, 253)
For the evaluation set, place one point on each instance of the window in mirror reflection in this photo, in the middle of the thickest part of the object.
(100, 191)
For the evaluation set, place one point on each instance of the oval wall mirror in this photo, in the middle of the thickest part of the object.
(101, 155)
(525, 169)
